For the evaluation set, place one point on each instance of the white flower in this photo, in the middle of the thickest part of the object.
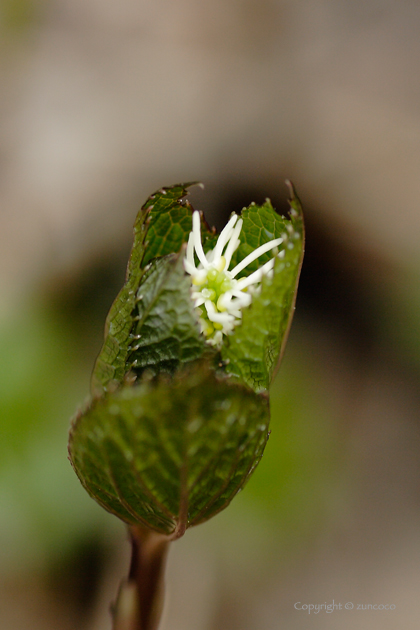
(218, 296)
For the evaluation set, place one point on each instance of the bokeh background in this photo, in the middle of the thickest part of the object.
(101, 104)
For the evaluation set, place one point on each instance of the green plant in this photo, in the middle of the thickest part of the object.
(179, 414)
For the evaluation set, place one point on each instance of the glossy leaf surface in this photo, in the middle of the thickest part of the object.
(176, 426)
(253, 351)
(170, 454)
(161, 227)
(165, 332)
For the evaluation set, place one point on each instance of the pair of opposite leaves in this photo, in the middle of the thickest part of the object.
(175, 427)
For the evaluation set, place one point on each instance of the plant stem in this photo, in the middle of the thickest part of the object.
(140, 599)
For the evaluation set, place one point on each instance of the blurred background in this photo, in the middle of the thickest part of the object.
(101, 104)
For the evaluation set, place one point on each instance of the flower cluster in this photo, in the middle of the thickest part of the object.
(217, 293)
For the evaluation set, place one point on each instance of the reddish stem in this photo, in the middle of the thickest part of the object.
(140, 600)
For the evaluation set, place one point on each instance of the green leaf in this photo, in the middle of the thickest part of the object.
(161, 227)
(253, 351)
(170, 453)
(165, 333)
(261, 224)
(170, 222)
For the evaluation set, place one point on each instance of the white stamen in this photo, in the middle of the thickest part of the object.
(199, 276)
(197, 240)
(220, 310)
(255, 254)
(189, 268)
(190, 250)
(214, 316)
(210, 255)
(242, 299)
(225, 235)
(256, 276)
(210, 308)
(234, 242)
(217, 339)
(224, 300)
